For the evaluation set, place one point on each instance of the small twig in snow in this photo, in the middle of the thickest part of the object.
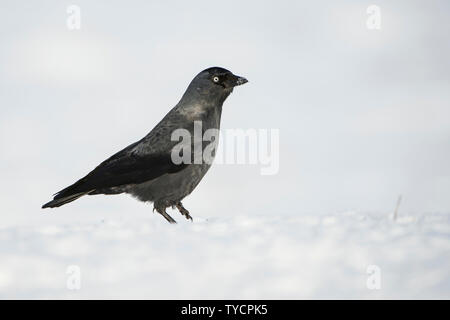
(399, 200)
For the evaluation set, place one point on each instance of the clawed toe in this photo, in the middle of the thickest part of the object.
(184, 211)
(165, 215)
(179, 206)
(188, 216)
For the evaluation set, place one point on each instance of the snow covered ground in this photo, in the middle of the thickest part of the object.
(279, 256)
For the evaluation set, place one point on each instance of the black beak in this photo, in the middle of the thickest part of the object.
(233, 81)
(240, 81)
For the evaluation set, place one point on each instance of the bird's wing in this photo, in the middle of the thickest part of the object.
(125, 167)
(141, 161)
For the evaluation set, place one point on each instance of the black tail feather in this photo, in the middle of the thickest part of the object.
(69, 194)
(57, 202)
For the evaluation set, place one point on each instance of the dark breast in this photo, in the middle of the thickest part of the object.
(169, 189)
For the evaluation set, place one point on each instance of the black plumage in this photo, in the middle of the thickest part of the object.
(145, 168)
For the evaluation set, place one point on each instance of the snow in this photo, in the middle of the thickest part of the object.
(256, 257)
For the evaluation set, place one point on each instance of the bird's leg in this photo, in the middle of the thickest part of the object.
(162, 211)
(183, 211)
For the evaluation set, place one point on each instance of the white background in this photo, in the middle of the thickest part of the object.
(363, 114)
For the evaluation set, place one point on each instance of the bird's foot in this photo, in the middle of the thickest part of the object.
(184, 211)
(162, 211)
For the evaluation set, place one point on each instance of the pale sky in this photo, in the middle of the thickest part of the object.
(363, 115)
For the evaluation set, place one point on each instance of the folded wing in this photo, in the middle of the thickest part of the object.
(124, 168)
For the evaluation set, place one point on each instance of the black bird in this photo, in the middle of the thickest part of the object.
(145, 169)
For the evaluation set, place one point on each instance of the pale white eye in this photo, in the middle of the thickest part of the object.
(216, 79)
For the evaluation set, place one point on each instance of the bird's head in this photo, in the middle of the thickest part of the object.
(215, 83)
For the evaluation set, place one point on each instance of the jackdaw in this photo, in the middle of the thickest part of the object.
(145, 169)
